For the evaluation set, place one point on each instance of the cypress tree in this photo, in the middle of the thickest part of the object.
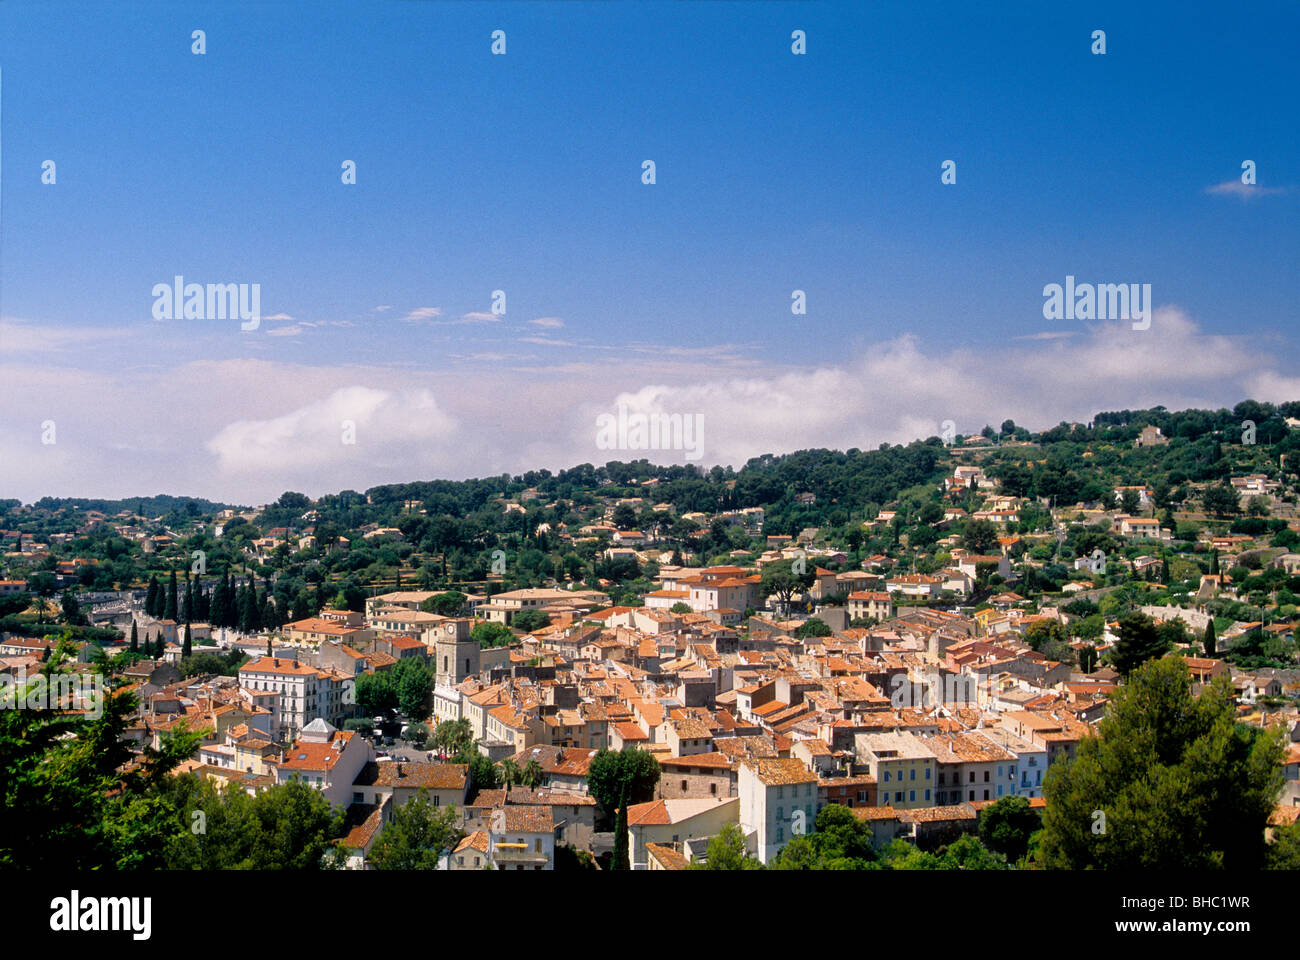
(269, 651)
(171, 611)
(620, 861)
(248, 608)
(1210, 641)
(187, 606)
(1214, 563)
(151, 597)
(227, 600)
(187, 647)
(135, 637)
(218, 605)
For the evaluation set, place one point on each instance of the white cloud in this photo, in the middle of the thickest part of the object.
(386, 427)
(1049, 335)
(899, 392)
(19, 335)
(549, 323)
(1246, 191)
(422, 315)
(547, 342)
(244, 430)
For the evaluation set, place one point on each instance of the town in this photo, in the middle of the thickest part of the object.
(971, 654)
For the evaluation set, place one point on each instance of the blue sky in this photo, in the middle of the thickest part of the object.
(521, 172)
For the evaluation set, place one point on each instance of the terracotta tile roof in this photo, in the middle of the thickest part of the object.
(478, 840)
(517, 818)
(316, 757)
(667, 857)
(780, 771)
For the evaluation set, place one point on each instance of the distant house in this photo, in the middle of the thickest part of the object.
(877, 605)
(1151, 437)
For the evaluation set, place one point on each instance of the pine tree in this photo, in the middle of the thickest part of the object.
(135, 637)
(1210, 641)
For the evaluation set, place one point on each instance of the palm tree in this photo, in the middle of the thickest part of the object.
(461, 735)
(44, 607)
(532, 774)
(509, 774)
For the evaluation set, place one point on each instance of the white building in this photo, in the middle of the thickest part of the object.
(306, 693)
(778, 800)
(327, 759)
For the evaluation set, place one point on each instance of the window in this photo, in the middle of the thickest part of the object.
(912, 773)
(898, 796)
(780, 813)
(537, 845)
(713, 788)
(911, 796)
(972, 776)
(986, 776)
(683, 785)
(972, 794)
(999, 789)
(927, 773)
(460, 861)
(986, 794)
(886, 780)
(927, 796)
(780, 834)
